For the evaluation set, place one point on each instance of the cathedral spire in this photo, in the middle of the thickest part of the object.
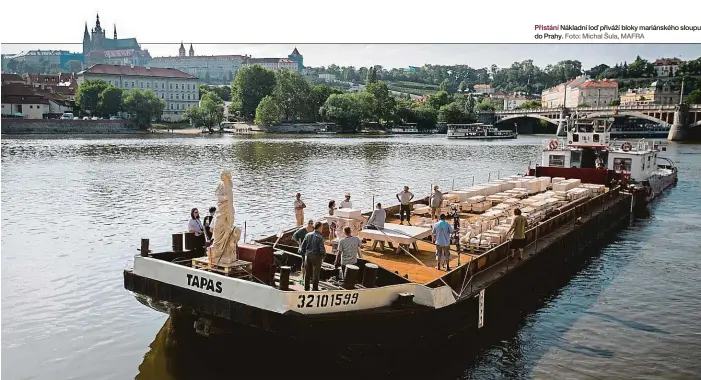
(97, 22)
(115, 31)
(86, 34)
(192, 51)
(181, 51)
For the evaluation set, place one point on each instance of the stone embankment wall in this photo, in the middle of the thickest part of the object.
(59, 127)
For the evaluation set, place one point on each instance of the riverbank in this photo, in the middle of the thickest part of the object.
(77, 127)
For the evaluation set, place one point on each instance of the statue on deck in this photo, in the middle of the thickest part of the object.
(226, 235)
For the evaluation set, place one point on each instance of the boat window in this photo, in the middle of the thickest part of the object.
(596, 138)
(576, 159)
(623, 164)
(557, 160)
(575, 137)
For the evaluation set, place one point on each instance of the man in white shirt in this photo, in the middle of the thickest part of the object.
(349, 249)
(299, 209)
(404, 198)
(347, 202)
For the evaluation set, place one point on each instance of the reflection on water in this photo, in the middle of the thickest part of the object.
(73, 211)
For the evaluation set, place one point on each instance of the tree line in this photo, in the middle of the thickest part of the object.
(98, 98)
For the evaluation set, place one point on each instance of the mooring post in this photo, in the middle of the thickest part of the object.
(144, 247)
(369, 275)
(350, 278)
(285, 277)
(189, 241)
(178, 242)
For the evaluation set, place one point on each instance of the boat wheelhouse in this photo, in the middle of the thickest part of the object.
(478, 131)
(405, 129)
(589, 146)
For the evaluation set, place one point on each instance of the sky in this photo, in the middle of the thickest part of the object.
(161, 26)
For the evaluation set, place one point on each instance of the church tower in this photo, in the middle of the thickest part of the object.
(115, 31)
(181, 51)
(98, 34)
(192, 51)
(295, 56)
(87, 43)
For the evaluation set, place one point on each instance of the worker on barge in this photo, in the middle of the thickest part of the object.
(404, 198)
(518, 226)
(299, 209)
(349, 250)
(314, 252)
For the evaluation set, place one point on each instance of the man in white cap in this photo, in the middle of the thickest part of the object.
(347, 202)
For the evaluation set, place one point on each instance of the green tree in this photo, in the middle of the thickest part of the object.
(439, 99)
(384, 104)
(529, 104)
(268, 112)
(693, 98)
(212, 108)
(110, 101)
(251, 85)
(348, 110)
(292, 93)
(319, 94)
(615, 103)
(144, 105)
(372, 75)
(489, 104)
(88, 95)
(223, 92)
(462, 87)
(195, 116)
(451, 114)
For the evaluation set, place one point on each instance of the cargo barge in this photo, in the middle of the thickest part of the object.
(397, 296)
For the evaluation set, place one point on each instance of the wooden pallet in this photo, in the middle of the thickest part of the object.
(237, 268)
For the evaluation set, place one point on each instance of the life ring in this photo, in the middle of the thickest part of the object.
(554, 144)
(626, 147)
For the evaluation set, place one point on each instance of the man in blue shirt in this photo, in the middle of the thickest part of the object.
(441, 237)
(314, 252)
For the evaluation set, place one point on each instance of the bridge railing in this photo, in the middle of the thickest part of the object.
(646, 107)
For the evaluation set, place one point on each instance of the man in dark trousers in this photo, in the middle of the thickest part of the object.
(314, 253)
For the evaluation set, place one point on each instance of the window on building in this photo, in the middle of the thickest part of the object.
(163, 96)
(188, 96)
(171, 105)
(141, 84)
(556, 160)
(148, 85)
(170, 85)
(176, 86)
(171, 96)
(132, 85)
(177, 96)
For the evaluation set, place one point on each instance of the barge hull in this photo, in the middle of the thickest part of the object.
(503, 281)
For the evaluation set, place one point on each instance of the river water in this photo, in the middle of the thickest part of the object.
(73, 211)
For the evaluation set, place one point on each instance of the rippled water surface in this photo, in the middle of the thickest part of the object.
(73, 211)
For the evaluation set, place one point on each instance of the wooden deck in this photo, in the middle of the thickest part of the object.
(421, 268)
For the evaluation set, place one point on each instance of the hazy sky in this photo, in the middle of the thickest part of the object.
(160, 26)
(403, 55)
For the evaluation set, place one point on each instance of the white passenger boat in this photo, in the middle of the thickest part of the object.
(478, 131)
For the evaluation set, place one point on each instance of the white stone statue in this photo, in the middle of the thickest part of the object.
(226, 235)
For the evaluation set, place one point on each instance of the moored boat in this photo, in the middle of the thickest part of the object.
(478, 131)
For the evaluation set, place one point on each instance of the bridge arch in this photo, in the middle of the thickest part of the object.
(639, 115)
(532, 116)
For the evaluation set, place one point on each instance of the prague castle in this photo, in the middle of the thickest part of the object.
(97, 48)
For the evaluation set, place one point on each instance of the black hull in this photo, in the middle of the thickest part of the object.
(557, 255)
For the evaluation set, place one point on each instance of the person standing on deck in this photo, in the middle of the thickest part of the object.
(332, 225)
(442, 232)
(195, 225)
(299, 235)
(299, 209)
(404, 198)
(208, 223)
(347, 202)
(518, 226)
(435, 202)
(314, 252)
(349, 250)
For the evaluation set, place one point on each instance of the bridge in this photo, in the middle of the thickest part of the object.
(677, 118)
